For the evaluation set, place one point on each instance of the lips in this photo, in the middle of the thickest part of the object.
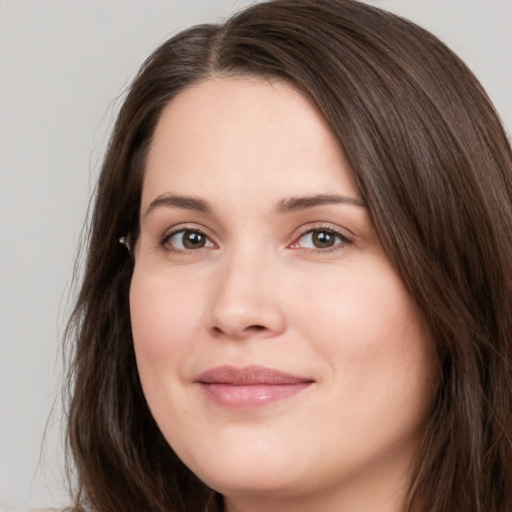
(249, 387)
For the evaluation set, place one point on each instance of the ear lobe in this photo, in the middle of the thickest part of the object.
(124, 240)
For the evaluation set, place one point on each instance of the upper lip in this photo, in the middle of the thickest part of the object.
(249, 375)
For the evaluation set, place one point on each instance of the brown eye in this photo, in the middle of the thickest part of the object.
(193, 240)
(322, 238)
(188, 239)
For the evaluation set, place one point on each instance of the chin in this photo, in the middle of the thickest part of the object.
(271, 484)
(247, 470)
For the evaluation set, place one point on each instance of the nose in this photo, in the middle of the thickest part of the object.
(245, 303)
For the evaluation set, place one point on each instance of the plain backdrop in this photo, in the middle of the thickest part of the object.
(64, 65)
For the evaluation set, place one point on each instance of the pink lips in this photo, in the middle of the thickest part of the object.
(249, 387)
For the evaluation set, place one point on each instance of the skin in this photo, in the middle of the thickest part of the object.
(262, 292)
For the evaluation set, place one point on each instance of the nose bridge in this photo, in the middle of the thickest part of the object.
(243, 302)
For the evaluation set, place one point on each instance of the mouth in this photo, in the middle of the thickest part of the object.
(249, 387)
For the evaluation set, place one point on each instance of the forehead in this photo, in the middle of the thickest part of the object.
(243, 135)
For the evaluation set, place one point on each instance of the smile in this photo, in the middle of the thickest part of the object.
(249, 387)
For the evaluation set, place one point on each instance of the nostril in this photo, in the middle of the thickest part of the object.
(255, 328)
(250, 329)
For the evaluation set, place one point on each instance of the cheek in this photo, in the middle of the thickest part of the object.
(162, 315)
(164, 319)
(365, 325)
(356, 311)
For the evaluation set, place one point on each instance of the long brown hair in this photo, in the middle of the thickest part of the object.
(434, 165)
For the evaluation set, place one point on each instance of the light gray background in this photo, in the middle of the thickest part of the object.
(63, 67)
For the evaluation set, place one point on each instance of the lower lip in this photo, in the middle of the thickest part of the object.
(251, 396)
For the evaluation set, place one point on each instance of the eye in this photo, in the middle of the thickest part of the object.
(321, 238)
(186, 239)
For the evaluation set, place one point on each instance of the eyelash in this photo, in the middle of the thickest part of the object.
(342, 242)
(164, 241)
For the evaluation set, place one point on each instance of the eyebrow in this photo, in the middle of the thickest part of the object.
(185, 202)
(304, 202)
(293, 204)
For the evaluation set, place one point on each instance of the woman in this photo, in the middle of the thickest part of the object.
(310, 306)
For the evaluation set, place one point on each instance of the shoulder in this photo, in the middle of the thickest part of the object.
(51, 509)
(55, 509)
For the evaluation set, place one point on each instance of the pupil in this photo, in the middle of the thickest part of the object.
(323, 239)
(193, 240)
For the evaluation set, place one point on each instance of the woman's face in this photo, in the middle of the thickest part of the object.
(279, 351)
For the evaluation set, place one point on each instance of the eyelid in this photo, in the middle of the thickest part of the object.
(174, 230)
(341, 233)
(337, 231)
